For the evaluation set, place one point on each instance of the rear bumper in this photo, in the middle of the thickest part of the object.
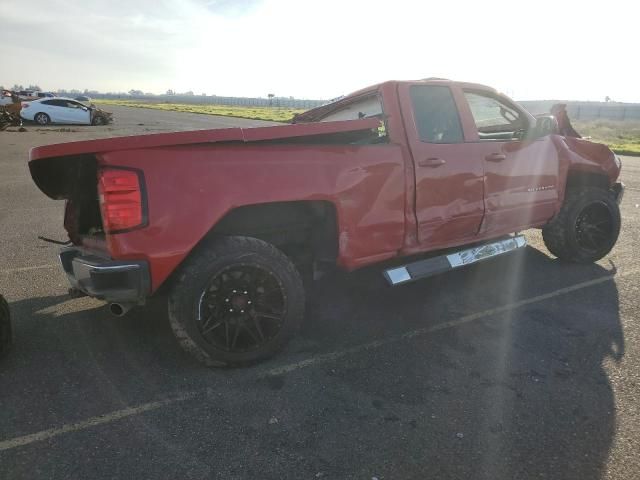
(618, 191)
(106, 279)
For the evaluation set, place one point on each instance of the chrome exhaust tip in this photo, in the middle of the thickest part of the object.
(119, 309)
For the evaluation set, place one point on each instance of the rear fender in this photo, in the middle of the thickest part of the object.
(191, 189)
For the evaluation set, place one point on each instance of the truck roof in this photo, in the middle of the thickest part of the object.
(426, 81)
(323, 110)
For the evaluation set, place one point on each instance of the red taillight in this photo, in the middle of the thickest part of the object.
(121, 199)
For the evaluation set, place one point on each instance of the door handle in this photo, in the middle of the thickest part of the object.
(431, 162)
(495, 157)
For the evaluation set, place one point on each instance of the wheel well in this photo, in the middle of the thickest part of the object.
(304, 230)
(578, 180)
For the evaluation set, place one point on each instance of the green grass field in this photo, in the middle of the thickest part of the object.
(622, 137)
(273, 114)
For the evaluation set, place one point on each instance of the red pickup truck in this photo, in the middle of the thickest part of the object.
(228, 222)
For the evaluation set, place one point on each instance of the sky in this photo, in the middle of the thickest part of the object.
(541, 49)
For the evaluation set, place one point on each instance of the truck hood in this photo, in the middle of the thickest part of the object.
(279, 132)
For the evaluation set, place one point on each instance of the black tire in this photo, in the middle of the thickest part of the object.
(42, 118)
(236, 300)
(98, 120)
(586, 228)
(5, 327)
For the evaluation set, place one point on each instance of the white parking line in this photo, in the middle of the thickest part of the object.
(320, 359)
(91, 422)
(9, 271)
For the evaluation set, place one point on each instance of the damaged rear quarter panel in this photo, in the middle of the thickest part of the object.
(191, 188)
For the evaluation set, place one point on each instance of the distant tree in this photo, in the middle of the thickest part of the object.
(607, 99)
(34, 88)
(204, 94)
(170, 92)
(189, 92)
(17, 87)
(136, 92)
(271, 95)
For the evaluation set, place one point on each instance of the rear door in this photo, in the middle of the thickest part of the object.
(449, 187)
(56, 109)
(520, 175)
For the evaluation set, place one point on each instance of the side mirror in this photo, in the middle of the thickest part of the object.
(545, 125)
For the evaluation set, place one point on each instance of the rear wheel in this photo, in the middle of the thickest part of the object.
(5, 327)
(42, 118)
(236, 301)
(586, 228)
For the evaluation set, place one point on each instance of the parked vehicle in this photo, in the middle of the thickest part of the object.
(44, 95)
(5, 327)
(63, 110)
(83, 98)
(7, 97)
(27, 95)
(229, 222)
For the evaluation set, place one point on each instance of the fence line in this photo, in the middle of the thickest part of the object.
(589, 110)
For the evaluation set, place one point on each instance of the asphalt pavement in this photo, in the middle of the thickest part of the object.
(517, 368)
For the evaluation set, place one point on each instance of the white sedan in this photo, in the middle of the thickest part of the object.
(63, 110)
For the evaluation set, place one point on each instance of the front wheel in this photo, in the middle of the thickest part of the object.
(237, 300)
(586, 228)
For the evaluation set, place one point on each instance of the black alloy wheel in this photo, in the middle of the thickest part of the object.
(242, 308)
(594, 227)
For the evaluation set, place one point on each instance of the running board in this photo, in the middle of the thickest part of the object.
(443, 263)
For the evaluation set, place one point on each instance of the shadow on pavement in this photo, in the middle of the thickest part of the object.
(518, 394)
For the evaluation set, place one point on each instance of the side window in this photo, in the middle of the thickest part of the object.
(495, 120)
(55, 103)
(436, 114)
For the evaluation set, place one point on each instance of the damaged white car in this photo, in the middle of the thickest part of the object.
(63, 110)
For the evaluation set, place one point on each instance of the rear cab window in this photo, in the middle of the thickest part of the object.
(495, 119)
(366, 108)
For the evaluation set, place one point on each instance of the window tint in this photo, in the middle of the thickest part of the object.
(495, 120)
(436, 114)
(55, 103)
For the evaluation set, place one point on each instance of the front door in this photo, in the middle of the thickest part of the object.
(449, 178)
(77, 113)
(520, 174)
